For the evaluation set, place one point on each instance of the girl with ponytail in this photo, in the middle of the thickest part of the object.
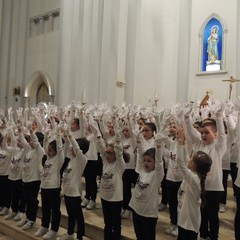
(191, 194)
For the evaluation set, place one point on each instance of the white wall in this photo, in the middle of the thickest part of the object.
(43, 49)
(199, 85)
(151, 45)
(38, 7)
(157, 51)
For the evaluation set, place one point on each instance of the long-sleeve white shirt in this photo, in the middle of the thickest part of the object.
(189, 201)
(145, 198)
(111, 187)
(32, 163)
(72, 175)
(215, 150)
(50, 174)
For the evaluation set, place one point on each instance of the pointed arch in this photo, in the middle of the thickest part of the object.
(202, 46)
(36, 79)
(218, 17)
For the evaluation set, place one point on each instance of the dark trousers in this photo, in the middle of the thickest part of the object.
(164, 189)
(210, 221)
(90, 173)
(31, 190)
(5, 193)
(224, 181)
(172, 191)
(18, 203)
(144, 227)
(112, 219)
(75, 214)
(184, 234)
(51, 208)
(233, 172)
(237, 215)
(129, 178)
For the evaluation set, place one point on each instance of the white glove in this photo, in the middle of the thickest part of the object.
(188, 110)
(19, 112)
(96, 130)
(220, 108)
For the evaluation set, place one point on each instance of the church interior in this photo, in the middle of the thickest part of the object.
(118, 52)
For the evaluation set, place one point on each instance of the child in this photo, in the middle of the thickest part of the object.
(31, 176)
(144, 201)
(50, 186)
(191, 193)
(72, 185)
(90, 172)
(174, 179)
(129, 176)
(111, 186)
(5, 196)
(15, 177)
(212, 142)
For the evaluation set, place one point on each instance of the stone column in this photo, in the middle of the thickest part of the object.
(238, 50)
(183, 50)
(6, 12)
(65, 77)
(134, 10)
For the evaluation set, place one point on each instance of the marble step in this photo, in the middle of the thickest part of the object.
(11, 231)
(94, 224)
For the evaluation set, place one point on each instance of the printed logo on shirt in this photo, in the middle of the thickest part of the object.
(107, 182)
(65, 179)
(172, 156)
(46, 166)
(180, 197)
(140, 190)
(45, 170)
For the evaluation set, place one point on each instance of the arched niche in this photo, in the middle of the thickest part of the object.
(215, 28)
(39, 89)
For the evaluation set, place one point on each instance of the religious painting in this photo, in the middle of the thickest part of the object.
(42, 93)
(212, 46)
